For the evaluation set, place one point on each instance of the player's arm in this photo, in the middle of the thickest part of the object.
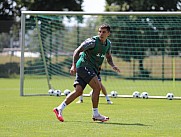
(110, 61)
(87, 44)
(76, 56)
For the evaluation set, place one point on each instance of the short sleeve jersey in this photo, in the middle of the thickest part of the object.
(94, 53)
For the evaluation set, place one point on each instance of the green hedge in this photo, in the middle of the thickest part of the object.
(9, 70)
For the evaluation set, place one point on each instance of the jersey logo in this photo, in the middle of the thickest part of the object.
(99, 55)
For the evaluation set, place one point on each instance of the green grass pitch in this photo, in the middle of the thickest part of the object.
(32, 116)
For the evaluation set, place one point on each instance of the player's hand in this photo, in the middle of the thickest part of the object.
(73, 70)
(115, 68)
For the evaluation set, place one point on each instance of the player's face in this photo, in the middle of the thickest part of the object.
(103, 34)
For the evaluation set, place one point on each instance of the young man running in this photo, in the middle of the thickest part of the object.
(86, 69)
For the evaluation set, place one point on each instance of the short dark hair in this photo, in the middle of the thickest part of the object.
(105, 26)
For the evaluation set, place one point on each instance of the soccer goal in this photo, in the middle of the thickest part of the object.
(146, 46)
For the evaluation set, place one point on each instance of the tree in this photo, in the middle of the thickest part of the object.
(55, 5)
(139, 33)
(10, 10)
(143, 5)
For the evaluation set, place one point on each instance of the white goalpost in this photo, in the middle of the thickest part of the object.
(145, 46)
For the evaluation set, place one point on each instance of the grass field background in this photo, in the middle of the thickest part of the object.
(38, 85)
(31, 116)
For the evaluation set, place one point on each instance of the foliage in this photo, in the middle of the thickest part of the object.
(9, 9)
(4, 41)
(141, 34)
(9, 69)
(55, 5)
(143, 5)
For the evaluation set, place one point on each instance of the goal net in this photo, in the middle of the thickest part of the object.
(145, 46)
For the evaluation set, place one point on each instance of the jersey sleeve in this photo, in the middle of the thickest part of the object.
(88, 44)
(109, 49)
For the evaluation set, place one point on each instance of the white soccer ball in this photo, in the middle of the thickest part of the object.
(114, 94)
(66, 92)
(51, 92)
(144, 95)
(169, 96)
(136, 94)
(57, 93)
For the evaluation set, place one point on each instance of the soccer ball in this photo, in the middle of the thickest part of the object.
(57, 93)
(66, 92)
(169, 96)
(136, 94)
(144, 95)
(114, 94)
(51, 92)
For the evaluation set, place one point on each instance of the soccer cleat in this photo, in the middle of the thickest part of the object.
(109, 102)
(58, 114)
(100, 118)
(80, 101)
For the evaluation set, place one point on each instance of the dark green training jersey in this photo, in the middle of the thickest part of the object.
(94, 53)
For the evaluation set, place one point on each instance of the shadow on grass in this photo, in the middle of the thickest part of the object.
(114, 123)
(123, 124)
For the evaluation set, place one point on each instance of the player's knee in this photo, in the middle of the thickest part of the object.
(97, 89)
(79, 90)
(79, 93)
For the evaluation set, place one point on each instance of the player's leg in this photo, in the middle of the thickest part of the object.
(105, 93)
(104, 90)
(71, 97)
(89, 76)
(95, 85)
(79, 85)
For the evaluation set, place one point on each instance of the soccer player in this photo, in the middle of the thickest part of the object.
(86, 69)
(103, 89)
